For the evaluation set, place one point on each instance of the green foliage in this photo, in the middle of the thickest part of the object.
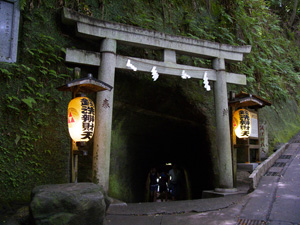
(287, 10)
(272, 68)
(283, 121)
(29, 106)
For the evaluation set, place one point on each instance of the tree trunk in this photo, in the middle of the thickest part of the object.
(294, 13)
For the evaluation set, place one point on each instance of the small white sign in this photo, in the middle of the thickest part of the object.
(254, 125)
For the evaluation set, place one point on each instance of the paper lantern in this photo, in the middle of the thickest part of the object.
(81, 119)
(242, 123)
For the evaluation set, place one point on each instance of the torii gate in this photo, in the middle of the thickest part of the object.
(107, 60)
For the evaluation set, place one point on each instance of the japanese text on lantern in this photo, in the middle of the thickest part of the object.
(88, 118)
(245, 122)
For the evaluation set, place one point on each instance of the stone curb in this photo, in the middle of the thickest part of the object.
(265, 166)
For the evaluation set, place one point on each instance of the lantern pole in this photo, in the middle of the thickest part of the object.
(81, 86)
(74, 149)
(233, 138)
(74, 168)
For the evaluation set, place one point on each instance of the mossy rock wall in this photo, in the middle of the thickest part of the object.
(283, 121)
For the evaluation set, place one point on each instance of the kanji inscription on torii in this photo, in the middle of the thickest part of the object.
(109, 34)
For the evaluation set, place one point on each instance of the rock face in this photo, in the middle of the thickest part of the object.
(80, 203)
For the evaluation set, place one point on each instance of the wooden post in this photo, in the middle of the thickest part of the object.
(233, 149)
(74, 157)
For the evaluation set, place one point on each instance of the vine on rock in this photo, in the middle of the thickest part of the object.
(30, 107)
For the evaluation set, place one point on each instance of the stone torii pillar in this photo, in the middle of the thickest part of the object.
(223, 128)
(104, 106)
(111, 33)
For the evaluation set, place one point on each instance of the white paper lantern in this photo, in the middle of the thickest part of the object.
(242, 123)
(81, 119)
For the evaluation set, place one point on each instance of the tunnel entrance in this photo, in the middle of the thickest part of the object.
(154, 125)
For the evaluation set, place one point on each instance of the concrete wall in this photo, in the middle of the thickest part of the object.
(265, 166)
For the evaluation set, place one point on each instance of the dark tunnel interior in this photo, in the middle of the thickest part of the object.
(163, 141)
(160, 127)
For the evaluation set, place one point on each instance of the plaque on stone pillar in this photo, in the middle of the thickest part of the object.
(9, 30)
(263, 140)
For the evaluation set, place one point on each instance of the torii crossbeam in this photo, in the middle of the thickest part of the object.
(110, 34)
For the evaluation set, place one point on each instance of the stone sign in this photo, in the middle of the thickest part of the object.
(9, 29)
(263, 140)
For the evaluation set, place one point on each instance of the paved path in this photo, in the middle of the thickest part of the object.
(276, 201)
(277, 197)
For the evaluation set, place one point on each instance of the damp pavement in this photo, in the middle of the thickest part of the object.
(275, 201)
